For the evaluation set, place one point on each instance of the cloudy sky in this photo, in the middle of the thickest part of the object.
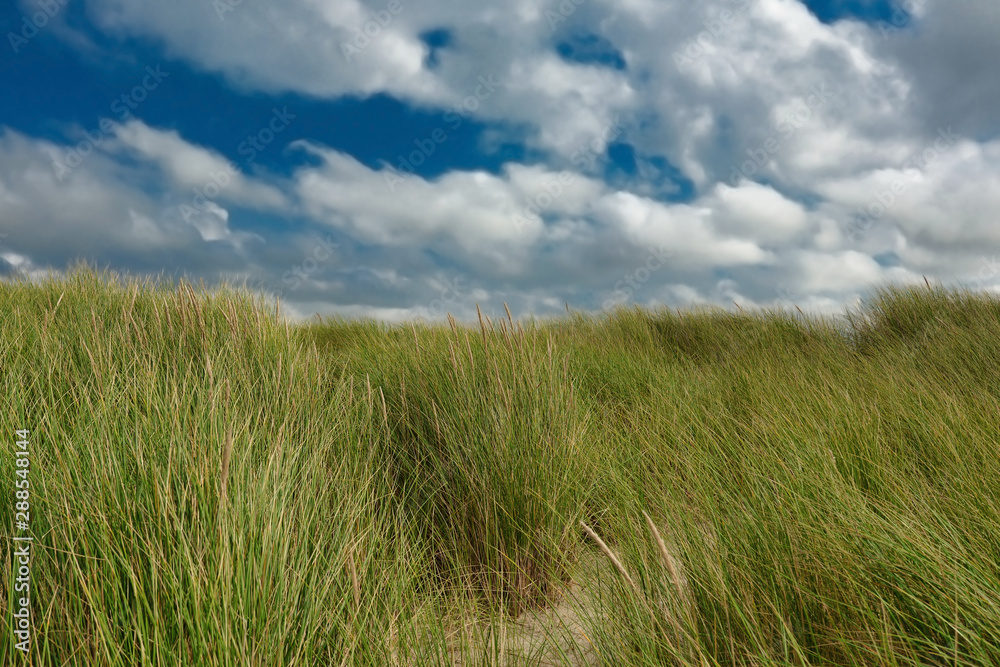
(401, 159)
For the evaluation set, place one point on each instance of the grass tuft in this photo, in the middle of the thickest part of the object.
(209, 485)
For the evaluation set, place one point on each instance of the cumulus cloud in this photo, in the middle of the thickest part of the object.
(758, 211)
(948, 55)
(791, 131)
(193, 167)
(104, 210)
(472, 210)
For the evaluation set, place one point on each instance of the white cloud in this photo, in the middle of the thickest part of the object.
(758, 211)
(835, 272)
(754, 73)
(685, 229)
(190, 166)
(472, 210)
(102, 208)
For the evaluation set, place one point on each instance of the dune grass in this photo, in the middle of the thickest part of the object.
(211, 486)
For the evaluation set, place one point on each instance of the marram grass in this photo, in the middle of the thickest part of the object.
(211, 486)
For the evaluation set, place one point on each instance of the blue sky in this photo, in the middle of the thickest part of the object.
(770, 153)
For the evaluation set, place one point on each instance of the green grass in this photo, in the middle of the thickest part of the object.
(211, 486)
